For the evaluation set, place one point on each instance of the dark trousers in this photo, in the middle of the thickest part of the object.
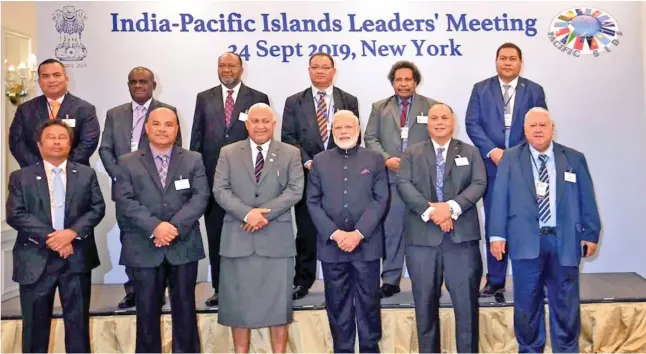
(37, 303)
(496, 269)
(460, 265)
(213, 219)
(305, 270)
(352, 302)
(530, 277)
(129, 285)
(149, 292)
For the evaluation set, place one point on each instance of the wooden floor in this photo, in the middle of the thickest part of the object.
(604, 287)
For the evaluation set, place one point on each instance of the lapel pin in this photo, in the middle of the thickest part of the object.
(271, 160)
(73, 171)
(38, 178)
(272, 154)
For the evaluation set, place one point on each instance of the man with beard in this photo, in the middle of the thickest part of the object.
(347, 194)
(219, 120)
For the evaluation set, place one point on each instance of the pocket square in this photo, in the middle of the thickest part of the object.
(365, 172)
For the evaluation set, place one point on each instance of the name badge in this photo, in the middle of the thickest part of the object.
(243, 117)
(461, 161)
(422, 119)
(134, 146)
(405, 133)
(507, 120)
(570, 177)
(182, 184)
(70, 122)
(541, 189)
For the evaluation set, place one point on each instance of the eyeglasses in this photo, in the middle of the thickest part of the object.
(324, 68)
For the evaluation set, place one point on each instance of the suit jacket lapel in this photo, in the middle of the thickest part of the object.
(42, 188)
(176, 157)
(72, 175)
(241, 101)
(525, 159)
(272, 156)
(68, 102)
(519, 98)
(148, 162)
(393, 106)
(43, 109)
(429, 152)
(218, 106)
(415, 109)
(494, 89)
(453, 150)
(309, 112)
(562, 165)
(339, 103)
(245, 151)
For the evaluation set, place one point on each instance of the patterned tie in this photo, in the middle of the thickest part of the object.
(53, 109)
(59, 200)
(163, 168)
(321, 118)
(402, 121)
(506, 98)
(228, 107)
(260, 163)
(544, 202)
(439, 178)
(137, 128)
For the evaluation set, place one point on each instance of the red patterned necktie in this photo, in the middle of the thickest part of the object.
(402, 117)
(228, 107)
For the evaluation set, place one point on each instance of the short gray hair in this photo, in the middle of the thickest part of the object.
(538, 110)
(266, 106)
(345, 112)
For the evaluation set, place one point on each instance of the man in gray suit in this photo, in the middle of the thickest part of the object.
(395, 123)
(124, 132)
(440, 182)
(161, 193)
(257, 181)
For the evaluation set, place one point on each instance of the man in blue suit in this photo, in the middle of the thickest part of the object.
(347, 195)
(494, 122)
(544, 207)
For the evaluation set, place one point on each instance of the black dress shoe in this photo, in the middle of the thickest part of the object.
(388, 290)
(212, 301)
(127, 302)
(299, 292)
(491, 290)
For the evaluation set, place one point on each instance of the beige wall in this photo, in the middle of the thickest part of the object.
(20, 17)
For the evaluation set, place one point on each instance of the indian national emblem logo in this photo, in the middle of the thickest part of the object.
(584, 31)
(70, 23)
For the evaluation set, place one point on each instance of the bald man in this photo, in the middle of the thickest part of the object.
(161, 192)
(347, 196)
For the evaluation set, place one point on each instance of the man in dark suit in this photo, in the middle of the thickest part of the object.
(307, 125)
(395, 123)
(544, 207)
(494, 122)
(55, 206)
(441, 181)
(219, 120)
(124, 132)
(55, 103)
(161, 194)
(347, 195)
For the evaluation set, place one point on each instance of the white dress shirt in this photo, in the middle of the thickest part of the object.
(146, 107)
(225, 93)
(50, 183)
(456, 211)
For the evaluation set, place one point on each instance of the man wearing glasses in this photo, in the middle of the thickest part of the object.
(307, 121)
(219, 120)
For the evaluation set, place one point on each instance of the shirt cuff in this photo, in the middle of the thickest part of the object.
(245, 218)
(496, 238)
(455, 207)
(489, 153)
(306, 162)
(360, 234)
(152, 235)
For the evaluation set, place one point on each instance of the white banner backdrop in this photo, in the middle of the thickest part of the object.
(596, 99)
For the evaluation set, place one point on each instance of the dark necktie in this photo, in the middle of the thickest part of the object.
(439, 179)
(228, 108)
(260, 163)
(321, 115)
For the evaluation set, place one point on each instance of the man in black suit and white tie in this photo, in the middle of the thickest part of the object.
(54, 103)
(161, 194)
(55, 206)
(219, 120)
(124, 132)
(307, 124)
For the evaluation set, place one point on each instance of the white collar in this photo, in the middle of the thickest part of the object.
(513, 83)
(254, 146)
(445, 146)
(328, 91)
(49, 166)
(146, 105)
(236, 89)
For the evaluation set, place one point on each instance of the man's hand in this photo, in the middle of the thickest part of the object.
(249, 228)
(308, 165)
(592, 248)
(57, 239)
(496, 154)
(66, 251)
(350, 241)
(165, 233)
(393, 164)
(256, 219)
(446, 225)
(441, 213)
(497, 249)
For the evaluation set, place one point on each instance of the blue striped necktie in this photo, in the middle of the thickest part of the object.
(439, 180)
(544, 202)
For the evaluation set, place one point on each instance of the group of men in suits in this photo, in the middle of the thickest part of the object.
(411, 192)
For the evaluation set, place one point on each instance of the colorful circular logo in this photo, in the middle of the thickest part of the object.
(584, 31)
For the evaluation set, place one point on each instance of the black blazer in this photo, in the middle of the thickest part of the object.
(210, 133)
(300, 127)
(22, 133)
(143, 203)
(29, 212)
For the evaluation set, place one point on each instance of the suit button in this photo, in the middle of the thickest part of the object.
(345, 179)
(345, 192)
(256, 195)
(227, 136)
(345, 167)
(165, 204)
(346, 219)
(345, 205)
(346, 156)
